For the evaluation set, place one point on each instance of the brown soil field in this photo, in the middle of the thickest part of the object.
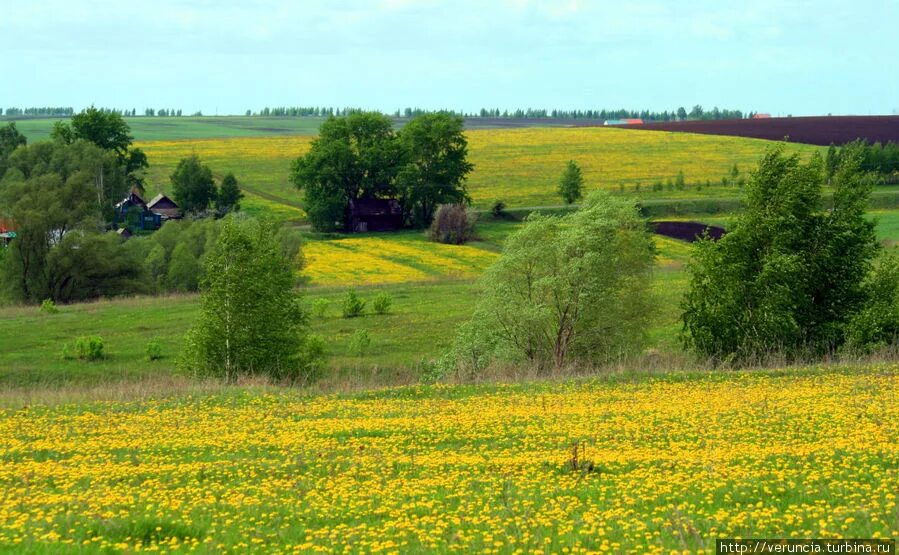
(818, 130)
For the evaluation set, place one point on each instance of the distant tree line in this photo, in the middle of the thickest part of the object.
(679, 114)
(66, 112)
(50, 112)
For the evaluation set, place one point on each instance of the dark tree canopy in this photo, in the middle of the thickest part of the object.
(229, 195)
(193, 185)
(434, 167)
(10, 139)
(52, 190)
(572, 183)
(789, 275)
(361, 156)
(355, 156)
(109, 131)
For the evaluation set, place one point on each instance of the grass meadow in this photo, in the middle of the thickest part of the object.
(188, 127)
(519, 166)
(434, 288)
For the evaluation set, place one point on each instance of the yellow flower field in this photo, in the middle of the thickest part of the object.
(663, 465)
(519, 166)
(390, 259)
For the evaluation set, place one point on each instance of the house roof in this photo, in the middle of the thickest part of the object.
(375, 207)
(6, 226)
(161, 201)
(132, 198)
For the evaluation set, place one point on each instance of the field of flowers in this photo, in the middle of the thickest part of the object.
(519, 166)
(647, 465)
(390, 258)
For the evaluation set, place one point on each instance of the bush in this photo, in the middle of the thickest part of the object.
(360, 342)
(498, 209)
(84, 348)
(49, 307)
(154, 350)
(382, 303)
(566, 288)
(453, 225)
(353, 306)
(313, 353)
(319, 307)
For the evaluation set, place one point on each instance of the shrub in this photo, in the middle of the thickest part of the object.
(382, 303)
(360, 342)
(313, 353)
(453, 225)
(319, 307)
(49, 307)
(572, 183)
(498, 209)
(154, 350)
(84, 348)
(353, 306)
(566, 288)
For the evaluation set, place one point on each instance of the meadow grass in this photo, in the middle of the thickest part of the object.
(434, 288)
(187, 127)
(519, 166)
(641, 464)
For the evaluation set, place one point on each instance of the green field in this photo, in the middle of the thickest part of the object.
(421, 324)
(174, 128)
(519, 166)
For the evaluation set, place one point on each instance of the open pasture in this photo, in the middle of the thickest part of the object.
(642, 465)
(188, 127)
(519, 166)
(433, 287)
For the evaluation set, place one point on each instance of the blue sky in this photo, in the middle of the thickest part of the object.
(780, 56)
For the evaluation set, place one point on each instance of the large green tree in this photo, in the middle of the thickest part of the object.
(229, 195)
(567, 289)
(251, 320)
(109, 131)
(193, 187)
(435, 165)
(789, 275)
(355, 156)
(52, 190)
(10, 139)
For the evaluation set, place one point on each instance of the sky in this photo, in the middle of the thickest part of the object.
(799, 57)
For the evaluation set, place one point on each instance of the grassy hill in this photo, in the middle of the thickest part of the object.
(158, 128)
(518, 166)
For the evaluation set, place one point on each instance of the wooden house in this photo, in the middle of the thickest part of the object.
(132, 213)
(165, 207)
(375, 214)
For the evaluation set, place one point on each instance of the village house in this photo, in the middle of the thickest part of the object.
(134, 214)
(375, 214)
